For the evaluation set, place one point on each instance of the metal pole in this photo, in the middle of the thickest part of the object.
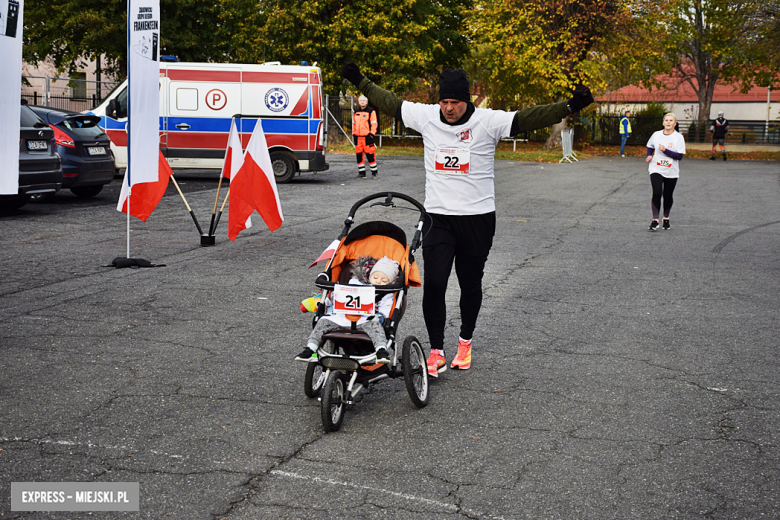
(768, 108)
(327, 102)
(128, 218)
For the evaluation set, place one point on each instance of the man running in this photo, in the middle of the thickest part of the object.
(719, 129)
(460, 144)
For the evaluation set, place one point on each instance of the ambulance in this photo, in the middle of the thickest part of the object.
(199, 100)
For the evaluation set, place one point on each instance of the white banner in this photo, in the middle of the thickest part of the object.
(143, 71)
(10, 93)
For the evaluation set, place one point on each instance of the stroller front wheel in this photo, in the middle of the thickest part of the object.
(333, 403)
(315, 375)
(415, 371)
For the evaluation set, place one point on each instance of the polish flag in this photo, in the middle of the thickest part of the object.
(234, 156)
(327, 254)
(234, 159)
(253, 187)
(145, 196)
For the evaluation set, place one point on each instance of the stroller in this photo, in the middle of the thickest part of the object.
(346, 363)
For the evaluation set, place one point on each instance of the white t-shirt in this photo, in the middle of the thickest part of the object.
(458, 159)
(662, 163)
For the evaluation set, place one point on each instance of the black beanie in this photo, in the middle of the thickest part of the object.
(454, 84)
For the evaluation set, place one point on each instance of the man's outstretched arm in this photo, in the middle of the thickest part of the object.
(542, 116)
(384, 100)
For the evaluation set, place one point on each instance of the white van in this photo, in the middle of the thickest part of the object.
(199, 100)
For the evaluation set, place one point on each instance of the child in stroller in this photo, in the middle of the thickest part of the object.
(364, 271)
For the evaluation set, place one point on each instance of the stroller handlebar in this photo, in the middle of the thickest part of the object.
(388, 201)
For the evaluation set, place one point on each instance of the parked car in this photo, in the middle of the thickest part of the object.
(87, 161)
(40, 169)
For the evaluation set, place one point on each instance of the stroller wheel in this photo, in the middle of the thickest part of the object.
(333, 402)
(415, 371)
(315, 375)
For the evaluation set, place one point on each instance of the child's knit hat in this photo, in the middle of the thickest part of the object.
(387, 266)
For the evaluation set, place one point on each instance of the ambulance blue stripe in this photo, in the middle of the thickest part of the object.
(272, 126)
(209, 124)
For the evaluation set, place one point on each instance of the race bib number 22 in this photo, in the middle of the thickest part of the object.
(452, 161)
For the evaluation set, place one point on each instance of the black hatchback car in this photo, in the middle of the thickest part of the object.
(87, 161)
(40, 170)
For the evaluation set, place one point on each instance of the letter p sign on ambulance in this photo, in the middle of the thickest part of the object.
(216, 99)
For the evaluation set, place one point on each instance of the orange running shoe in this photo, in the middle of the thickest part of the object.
(436, 364)
(463, 360)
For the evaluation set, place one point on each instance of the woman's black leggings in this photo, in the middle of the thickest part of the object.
(662, 186)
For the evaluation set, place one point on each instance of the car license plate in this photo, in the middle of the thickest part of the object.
(37, 145)
(96, 150)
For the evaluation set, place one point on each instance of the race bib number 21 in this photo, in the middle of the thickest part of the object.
(349, 299)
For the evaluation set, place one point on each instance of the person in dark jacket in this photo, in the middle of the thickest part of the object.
(719, 129)
(460, 143)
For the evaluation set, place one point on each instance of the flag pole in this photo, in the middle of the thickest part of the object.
(216, 202)
(197, 225)
(128, 220)
(220, 210)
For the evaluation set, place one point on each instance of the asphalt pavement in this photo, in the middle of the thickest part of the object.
(617, 373)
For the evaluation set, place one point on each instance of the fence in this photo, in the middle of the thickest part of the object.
(603, 129)
(596, 129)
(73, 94)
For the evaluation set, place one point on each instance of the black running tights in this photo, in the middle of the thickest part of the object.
(466, 242)
(662, 186)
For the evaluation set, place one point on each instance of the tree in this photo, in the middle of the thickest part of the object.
(394, 42)
(704, 42)
(535, 51)
(69, 31)
(766, 24)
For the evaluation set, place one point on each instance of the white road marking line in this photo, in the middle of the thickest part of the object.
(443, 505)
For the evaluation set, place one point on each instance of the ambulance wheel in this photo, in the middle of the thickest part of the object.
(415, 370)
(284, 167)
(315, 375)
(333, 406)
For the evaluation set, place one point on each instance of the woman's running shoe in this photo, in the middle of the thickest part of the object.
(666, 224)
(653, 225)
(463, 360)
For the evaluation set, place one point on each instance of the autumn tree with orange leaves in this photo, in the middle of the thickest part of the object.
(534, 51)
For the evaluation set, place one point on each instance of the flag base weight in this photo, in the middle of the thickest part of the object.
(207, 240)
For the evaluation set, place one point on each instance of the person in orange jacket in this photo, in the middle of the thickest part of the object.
(364, 127)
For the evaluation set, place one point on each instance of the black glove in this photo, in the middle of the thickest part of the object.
(581, 97)
(370, 139)
(351, 73)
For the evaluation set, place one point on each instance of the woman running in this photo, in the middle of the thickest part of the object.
(665, 150)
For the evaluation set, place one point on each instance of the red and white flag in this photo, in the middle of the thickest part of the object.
(234, 155)
(253, 187)
(327, 254)
(234, 159)
(145, 196)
